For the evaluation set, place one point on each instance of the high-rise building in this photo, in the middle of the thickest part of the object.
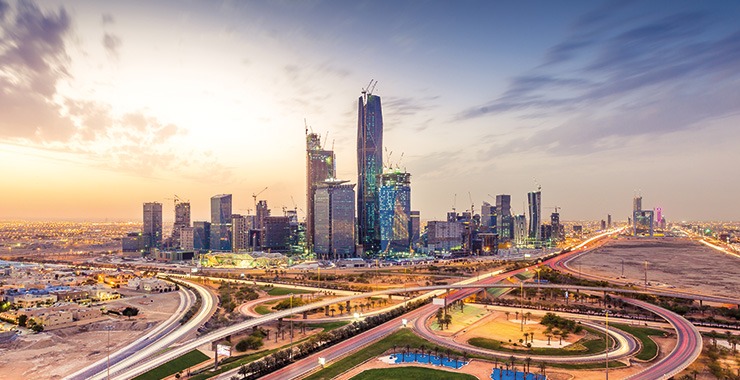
(334, 220)
(277, 233)
(240, 225)
(445, 235)
(609, 221)
(556, 228)
(153, 225)
(636, 203)
(182, 220)
(603, 225)
(369, 169)
(221, 222)
(520, 230)
(395, 212)
(261, 213)
(415, 228)
(320, 166)
(488, 217)
(201, 236)
(187, 239)
(504, 220)
(535, 214)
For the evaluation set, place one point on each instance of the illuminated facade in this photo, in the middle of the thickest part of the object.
(369, 169)
(643, 222)
(152, 225)
(395, 212)
(520, 230)
(535, 215)
(334, 220)
(320, 166)
(221, 222)
(504, 220)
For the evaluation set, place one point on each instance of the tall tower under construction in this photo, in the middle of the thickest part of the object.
(369, 169)
(320, 166)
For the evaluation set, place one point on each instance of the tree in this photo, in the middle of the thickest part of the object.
(37, 328)
(22, 319)
(341, 309)
(448, 320)
(130, 312)
(440, 317)
(507, 314)
(243, 371)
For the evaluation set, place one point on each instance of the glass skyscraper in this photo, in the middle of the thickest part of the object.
(395, 212)
(535, 215)
(369, 169)
(221, 222)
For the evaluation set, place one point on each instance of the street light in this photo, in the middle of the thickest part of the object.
(291, 325)
(108, 349)
(607, 344)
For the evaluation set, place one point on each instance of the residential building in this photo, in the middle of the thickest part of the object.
(152, 225)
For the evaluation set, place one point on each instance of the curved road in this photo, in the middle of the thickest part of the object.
(149, 345)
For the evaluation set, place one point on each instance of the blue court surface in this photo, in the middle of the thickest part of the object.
(428, 359)
(503, 374)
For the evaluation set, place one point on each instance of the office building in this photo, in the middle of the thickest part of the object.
(182, 220)
(603, 225)
(636, 203)
(134, 242)
(643, 223)
(277, 233)
(152, 225)
(320, 166)
(221, 222)
(609, 221)
(395, 212)
(415, 228)
(520, 230)
(488, 217)
(503, 204)
(556, 229)
(504, 220)
(535, 214)
(187, 240)
(369, 169)
(240, 225)
(201, 236)
(334, 220)
(445, 235)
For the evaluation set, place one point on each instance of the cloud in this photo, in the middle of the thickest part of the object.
(625, 81)
(107, 18)
(111, 43)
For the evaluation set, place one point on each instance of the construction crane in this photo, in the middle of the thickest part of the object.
(176, 200)
(454, 202)
(556, 208)
(254, 195)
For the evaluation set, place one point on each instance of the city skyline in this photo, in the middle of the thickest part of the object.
(110, 105)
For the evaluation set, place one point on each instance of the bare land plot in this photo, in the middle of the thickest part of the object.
(686, 264)
(56, 353)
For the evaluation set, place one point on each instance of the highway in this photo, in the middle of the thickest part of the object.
(186, 301)
(150, 345)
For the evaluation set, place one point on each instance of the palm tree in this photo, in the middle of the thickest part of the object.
(448, 320)
(512, 359)
(542, 368)
(243, 371)
(517, 315)
(507, 314)
(528, 315)
(528, 361)
(341, 309)
(331, 310)
(548, 338)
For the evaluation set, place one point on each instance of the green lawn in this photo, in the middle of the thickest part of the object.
(469, 315)
(411, 373)
(186, 361)
(230, 363)
(263, 309)
(328, 326)
(649, 348)
(277, 291)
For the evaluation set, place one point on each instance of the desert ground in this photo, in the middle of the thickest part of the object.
(680, 262)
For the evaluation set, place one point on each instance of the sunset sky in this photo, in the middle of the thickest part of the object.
(105, 105)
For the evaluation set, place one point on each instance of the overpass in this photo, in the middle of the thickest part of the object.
(143, 366)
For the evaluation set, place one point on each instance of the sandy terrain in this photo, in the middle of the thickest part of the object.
(678, 262)
(56, 353)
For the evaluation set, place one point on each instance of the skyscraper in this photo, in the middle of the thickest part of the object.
(520, 230)
(202, 235)
(636, 203)
(182, 220)
(503, 204)
(488, 216)
(221, 222)
(320, 166)
(535, 214)
(415, 228)
(504, 220)
(369, 169)
(240, 232)
(395, 212)
(152, 225)
(556, 228)
(334, 219)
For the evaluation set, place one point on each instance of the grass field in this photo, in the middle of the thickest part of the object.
(411, 373)
(278, 291)
(467, 317)
(186, 361)
(649, 348)
(399, 339)
(328, 326)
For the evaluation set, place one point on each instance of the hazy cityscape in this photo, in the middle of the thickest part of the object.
(369, 190)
